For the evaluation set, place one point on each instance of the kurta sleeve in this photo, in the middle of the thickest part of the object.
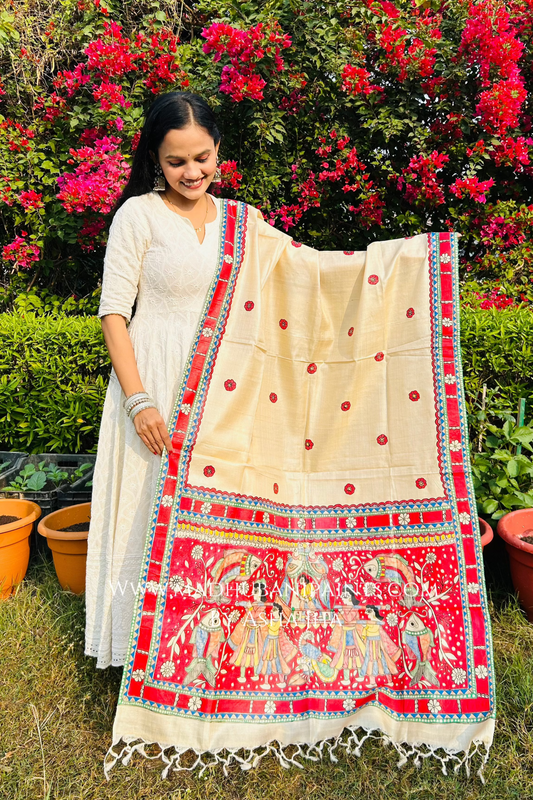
(129, 238)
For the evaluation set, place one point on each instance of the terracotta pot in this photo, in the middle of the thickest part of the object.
(69, 549)
(512, 527)
(15, 542)
(487, 534)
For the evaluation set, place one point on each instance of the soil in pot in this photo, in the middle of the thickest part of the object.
(5, 519)
(80, 526)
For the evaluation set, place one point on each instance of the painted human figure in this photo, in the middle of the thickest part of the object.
(380, 651)
(247, 637)
(277, 649)
(345, 640)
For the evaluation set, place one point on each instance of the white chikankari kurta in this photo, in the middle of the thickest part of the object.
(154, 255)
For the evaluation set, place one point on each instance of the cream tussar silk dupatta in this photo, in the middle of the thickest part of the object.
(312, 572)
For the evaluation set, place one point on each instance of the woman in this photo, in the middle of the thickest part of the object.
(161, 252)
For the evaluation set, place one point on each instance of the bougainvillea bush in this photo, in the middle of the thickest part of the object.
(344, 121)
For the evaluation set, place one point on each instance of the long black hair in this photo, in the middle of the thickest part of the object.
(170, 111)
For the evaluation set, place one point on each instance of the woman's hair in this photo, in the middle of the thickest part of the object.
(375, 609)
(170, 111)
(346, 589)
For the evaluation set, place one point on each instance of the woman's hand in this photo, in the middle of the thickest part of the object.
(151, 427)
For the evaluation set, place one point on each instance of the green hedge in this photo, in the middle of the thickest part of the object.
(54, 372)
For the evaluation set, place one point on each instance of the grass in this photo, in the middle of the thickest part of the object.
(56, 715)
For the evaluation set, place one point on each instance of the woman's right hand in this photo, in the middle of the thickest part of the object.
(151, 428)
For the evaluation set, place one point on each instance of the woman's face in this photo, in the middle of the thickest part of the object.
(188, 158)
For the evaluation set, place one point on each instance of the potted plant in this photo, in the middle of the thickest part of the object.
(487, 534)
(16, 523)
(10, 462)
(516, 530)
(66, 531)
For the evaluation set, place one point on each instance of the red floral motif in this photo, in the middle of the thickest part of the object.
(230, 385)
(346, 406)
(296, 244)
(349, 488)
(309, 444)
(382, 439)
(276, 488)
(273, 397)
(312, 369)
(410, 313)
(379, 356)
(421, 483)
(283, 324)
(414, 396)
(348, 252)
(249, 305)
(209, 471)
(373, 279)
(350, 332)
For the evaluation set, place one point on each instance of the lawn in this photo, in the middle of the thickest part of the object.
(56, 715)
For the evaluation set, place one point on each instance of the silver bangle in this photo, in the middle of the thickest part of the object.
(141, 407)
(128, 402)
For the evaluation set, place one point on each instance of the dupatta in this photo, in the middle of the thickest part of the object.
(312, 573)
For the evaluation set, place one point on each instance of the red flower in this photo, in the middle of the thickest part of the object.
(373, 279)
(283, 324)
(410, 313)
(273, 397)
(421, 483)
(350, 332)
(209, 471)
(309, 444)
(311, 369)
(346, 406)
(296, 244)
(379, 356)
(349, 488)
(414, 396)
(249, 305)
(276, 488)
(382, 439)
(229, 385)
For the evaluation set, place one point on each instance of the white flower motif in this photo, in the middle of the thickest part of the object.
(266, 519)
(185, 408)
(195, 703)
(270, 707)
(168, 669)
(445, 258)
(473, 588)
(404, 518)
(166, 500)
(197, 552)
(338, 564)
(206, 508)
(450, 379)
(369, 589)
(464, 518)
(301, 523)
(152, 587)
(208, 332)
(433, 706)
(243, 587)
(482, 671)
(431, 558)
(458, 676)
(233, 617)
(447, 321)
(176, 583)
(349, 704)
(232, 202)
(138, 675)
(392, 620)
(455, 446)
(228, 259)
(351, 522)
(279, 562)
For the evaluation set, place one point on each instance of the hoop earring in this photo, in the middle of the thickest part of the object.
(159, 180)
(217, 177)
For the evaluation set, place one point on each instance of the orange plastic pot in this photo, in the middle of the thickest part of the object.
(15, 542)
(69, 548)
(487, 534)
(512, 528)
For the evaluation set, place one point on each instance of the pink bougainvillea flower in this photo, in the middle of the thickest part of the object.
(98, 179)
(21, 252)
(30, 200)
(471, 188)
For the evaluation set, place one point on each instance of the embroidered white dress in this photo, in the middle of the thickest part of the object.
(153, 255)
